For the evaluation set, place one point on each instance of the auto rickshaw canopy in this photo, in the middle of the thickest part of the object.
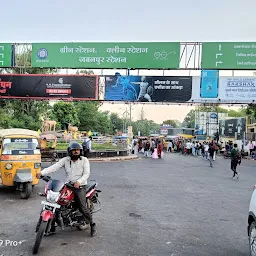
(18, 132)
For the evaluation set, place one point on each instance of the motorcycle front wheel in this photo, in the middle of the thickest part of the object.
(39, 236)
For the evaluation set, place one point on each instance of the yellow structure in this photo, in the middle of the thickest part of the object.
(20, 159)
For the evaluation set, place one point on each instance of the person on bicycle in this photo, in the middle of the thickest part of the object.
(77, 169)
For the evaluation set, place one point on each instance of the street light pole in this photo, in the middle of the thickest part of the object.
(130, 113)
(217, 132)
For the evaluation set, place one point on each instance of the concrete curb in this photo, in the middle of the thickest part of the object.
(113, 159)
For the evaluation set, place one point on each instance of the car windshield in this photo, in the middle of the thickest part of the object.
(20, 146)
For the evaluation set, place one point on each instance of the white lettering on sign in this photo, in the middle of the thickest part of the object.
(132, 49)
(116, 59)
(116, 49)
(97, 60)
(167, 85)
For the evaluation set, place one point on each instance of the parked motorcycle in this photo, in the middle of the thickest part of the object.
(60, 209)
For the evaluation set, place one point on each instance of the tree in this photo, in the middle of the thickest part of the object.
(23, 113)
(65, 113)
(103, 123)
(237, 113)
(145, 127)
(189, 120)
(116, 121)
(173, 123)
(5, 117)
(87, 112)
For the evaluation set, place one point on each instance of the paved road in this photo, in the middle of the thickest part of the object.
(176, 206)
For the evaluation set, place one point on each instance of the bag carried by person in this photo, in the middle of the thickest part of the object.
(85, 145)
(238, 156)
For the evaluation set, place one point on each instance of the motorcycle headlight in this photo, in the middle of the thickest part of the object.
(37, 165)
(52, 196)
(8, 166)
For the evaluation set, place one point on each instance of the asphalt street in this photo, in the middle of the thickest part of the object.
(176, 206)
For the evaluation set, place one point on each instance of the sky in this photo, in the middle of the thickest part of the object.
(131, 21)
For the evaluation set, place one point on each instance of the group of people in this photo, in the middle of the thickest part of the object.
(150, 147)
(208, 150)
(195, 148)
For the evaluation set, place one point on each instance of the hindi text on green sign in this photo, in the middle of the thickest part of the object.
(5, 55)
(229, 56)
(106, 55)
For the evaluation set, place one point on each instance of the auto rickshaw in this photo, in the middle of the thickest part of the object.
(48, 148)
(20, 160)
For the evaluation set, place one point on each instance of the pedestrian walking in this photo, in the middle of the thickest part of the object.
(211, 151)
(235, 159)
(206, 148)
(147, 149)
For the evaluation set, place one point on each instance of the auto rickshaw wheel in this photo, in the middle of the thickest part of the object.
(26, 192)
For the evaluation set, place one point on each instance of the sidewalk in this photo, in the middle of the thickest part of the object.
(112, 159)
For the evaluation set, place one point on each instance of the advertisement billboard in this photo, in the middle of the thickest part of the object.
(106, 55)
(209, 84)
(77, 87)
(230, 90)
(148, 88)
(207, 123)
(237, 89)
(232, 128)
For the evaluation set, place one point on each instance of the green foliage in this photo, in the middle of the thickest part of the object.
(103, 124)
(116, 121)
(65, 113)
(173, 123)
(189, 120)
(17, 113)
(251, 111)
(5, 118)
(95, 146)
(145, 127)
(87, 112)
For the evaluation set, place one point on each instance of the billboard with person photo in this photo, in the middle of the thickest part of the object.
(148, 88)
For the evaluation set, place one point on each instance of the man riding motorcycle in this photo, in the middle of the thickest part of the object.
(77, 169)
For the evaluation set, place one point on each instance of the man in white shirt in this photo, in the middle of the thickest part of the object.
(206, 148)
(77, 169)
(189, 147)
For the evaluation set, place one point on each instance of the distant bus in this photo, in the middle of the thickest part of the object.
(187, 133)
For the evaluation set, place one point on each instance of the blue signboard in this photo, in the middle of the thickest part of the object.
(213, 115)
(209, 84)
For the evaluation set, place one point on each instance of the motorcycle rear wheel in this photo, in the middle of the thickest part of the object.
(39, 236)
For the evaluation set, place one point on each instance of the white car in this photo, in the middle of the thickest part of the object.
(252, 224)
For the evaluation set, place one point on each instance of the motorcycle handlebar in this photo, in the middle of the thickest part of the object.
(69, 184)
(45, 178)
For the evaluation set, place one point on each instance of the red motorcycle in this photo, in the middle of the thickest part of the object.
(60, 209)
